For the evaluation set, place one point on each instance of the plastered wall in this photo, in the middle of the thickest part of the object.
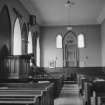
(90, 56)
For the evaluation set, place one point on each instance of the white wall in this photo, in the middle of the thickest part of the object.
(103, 42)
(91, 55)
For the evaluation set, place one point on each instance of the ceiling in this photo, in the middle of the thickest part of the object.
(54, 12)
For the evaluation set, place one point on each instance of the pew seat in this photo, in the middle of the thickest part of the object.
(26, 93)
(99, 87)
(56, 80)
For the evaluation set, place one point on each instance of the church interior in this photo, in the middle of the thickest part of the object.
(52, 52)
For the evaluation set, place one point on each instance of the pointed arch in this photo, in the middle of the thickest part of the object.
(70, 37)
(59, 41)
(30, 45)
(70, 50)
(5, 27)
(17, 38)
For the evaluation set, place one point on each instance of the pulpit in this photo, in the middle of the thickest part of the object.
(15, 67)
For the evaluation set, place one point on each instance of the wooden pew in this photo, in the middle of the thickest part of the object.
(85, 86)
(53, 77)
(20, 97)
(99, 90)
(57, 85)
(26, 93)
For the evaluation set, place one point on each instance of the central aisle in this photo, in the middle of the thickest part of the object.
(69, 95)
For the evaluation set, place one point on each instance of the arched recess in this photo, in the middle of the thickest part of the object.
(70, 50)
(24, 39)
(5, 29)
(17, 38)
(30, 45)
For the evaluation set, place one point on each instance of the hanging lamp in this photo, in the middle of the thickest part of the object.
(68, 5)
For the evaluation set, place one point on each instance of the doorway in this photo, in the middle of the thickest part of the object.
(70, 50)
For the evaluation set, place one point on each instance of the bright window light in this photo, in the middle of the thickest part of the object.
(17, 38)
(59, 41)
(30, 48)
(81, 43)
(38, 53)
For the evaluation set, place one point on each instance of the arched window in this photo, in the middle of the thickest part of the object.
(17, 38)
(38, 52)
(81, 43)
(59, 41)
(30, 47)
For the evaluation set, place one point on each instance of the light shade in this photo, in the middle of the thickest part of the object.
(69, 28)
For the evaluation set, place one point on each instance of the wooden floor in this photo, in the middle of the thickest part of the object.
(69, 95)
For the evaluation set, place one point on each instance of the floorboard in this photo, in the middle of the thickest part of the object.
(69, 95)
